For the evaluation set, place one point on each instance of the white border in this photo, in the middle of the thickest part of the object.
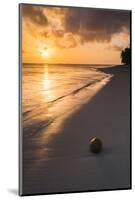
(9, 98)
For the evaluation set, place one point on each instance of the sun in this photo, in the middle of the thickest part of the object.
(45, 53)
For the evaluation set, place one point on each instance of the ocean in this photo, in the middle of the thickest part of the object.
(52, 93)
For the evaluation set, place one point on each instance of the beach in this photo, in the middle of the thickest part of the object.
(65, 164)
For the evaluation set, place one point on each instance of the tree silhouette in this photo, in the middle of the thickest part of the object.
(126, 56)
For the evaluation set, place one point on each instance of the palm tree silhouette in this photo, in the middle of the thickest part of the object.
(126, 56)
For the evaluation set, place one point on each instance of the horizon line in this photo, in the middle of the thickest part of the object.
(31, 63)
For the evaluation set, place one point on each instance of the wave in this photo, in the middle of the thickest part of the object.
(66, 90)
(40, 109)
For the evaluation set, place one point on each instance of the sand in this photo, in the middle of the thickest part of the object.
(72, 167)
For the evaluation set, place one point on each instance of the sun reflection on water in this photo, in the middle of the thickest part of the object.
(56, 93)
(48, 83)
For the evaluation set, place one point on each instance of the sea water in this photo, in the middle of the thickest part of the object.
(50, 95)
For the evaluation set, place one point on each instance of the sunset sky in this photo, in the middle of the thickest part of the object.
(73, 35)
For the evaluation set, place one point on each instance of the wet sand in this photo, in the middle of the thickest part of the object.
(70, 166)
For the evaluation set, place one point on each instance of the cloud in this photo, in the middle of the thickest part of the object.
(114, 47)
(96, 24)
(117, 48)
(68, 41)
(34, 14)
(68, 27)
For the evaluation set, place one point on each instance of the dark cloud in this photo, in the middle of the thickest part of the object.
(35, 14)
(72, 20)
(94, 24)
(89, 24)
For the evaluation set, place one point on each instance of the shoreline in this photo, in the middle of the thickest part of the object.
(73, 167)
